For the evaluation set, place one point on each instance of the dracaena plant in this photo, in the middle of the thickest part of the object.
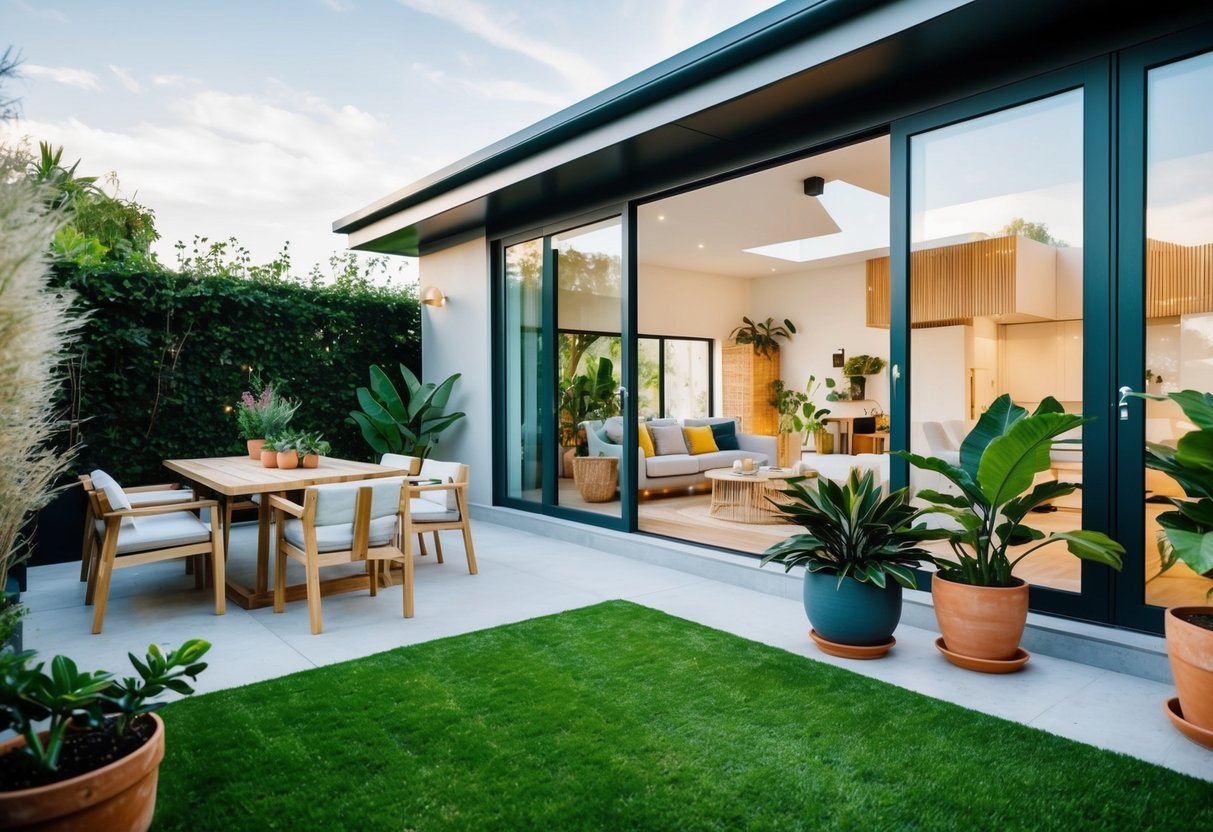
(41, 706)
(999, 460)
(853, 531)
(1187, 531)
(409, 424)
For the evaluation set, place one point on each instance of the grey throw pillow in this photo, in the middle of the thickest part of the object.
(614, 429)
(668, 439)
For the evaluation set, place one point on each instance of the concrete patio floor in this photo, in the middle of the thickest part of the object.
(524, 575)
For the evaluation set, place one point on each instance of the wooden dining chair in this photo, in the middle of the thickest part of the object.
(128, 536)
(412, 464)
(164, 494)
(427, 506)
(336, 524)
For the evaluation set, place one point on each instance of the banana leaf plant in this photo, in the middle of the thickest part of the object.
(588, 395)
(999, 460)
(853, 531)
(1187, 532)
(762, 334)
(409, 424)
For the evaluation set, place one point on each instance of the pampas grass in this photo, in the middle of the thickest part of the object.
(36, 326)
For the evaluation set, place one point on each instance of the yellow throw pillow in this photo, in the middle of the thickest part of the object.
(700, 440)
(646, 441)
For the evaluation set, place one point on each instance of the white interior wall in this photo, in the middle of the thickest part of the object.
(455, 339)
(829, 310)
(1069, 284)
(691, 304)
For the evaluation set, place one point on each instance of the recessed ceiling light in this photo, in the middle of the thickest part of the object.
(701, 245)
(661, 217)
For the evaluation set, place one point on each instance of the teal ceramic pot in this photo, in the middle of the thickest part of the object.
(855, 613)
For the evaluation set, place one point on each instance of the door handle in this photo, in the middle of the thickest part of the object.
(1123, 403)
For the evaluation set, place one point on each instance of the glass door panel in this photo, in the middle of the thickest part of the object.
(1178, 308)
(996, 292)
(588, 273)
(524, 400)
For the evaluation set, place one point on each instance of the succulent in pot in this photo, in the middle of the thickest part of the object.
(88, 747)
(980, 605)
(311, 446)
(858, 550)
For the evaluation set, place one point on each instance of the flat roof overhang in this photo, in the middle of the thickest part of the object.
(796, 76)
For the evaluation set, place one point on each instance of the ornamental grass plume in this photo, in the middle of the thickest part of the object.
(36, 327)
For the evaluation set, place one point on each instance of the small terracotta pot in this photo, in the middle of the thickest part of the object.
(288, 459)
(311, 460)
(269, 459)
(1190, 649)
(121, 795)
(254, 448)
(983, 622)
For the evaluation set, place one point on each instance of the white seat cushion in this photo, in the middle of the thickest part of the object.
(165, 496)
(725, 459)
(672, 465)
(443, 472)
(339, 536)
(424, 511)
(398, 461)
(159, 531)
(113, 494)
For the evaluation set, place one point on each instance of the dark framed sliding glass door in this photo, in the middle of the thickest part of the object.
(564, 335)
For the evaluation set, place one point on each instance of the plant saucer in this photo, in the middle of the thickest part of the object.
(1198, 735)
(985, 665)
(852, 651)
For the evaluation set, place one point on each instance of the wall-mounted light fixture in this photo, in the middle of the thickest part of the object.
(432, 296)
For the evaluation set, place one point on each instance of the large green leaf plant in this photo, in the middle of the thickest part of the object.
(409, 424)
(999, 461)
(1187, 531)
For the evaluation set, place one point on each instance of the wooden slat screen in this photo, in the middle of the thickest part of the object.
(1179, 279)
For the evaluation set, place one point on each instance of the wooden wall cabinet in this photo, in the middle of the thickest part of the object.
(747, 378)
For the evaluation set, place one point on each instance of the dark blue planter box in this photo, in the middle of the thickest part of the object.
(857, 614)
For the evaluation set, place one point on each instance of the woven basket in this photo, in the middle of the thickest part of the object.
(596, 477)
(747, 379)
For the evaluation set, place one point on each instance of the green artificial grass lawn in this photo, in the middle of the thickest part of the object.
(620, 717)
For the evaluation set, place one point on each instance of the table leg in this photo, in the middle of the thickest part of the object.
(261, 586)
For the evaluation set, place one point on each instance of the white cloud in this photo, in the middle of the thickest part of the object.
(169, 80)
(126, 79)
(264, 168)
(41, 11)
(505, 31)
(81, 78)
(494, 89)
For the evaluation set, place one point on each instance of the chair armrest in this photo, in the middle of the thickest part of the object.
(164, 486)
(283, 504)
(167, 508)
(442, 486)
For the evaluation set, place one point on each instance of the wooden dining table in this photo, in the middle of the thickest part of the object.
(230, 478)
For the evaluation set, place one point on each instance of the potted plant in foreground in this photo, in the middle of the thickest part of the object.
(1187, 535)
(95, 763)
(980, 605)
(858, 552)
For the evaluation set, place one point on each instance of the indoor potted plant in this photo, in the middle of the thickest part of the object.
(1187, 535)
(812, 416)
(95, 761)
(858, 550)
(588, 395)
(857, 368)
(980, 605)
(789, 404)
(761, 336)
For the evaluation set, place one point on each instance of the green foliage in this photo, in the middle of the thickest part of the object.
(410, 424)
(998, 461)
(863, 365)
(853, 531)
(9, 63)
(788, 404)
(67, 697)
(1038, 231)
(266, 414)
(1187, 531)
(663, 724)
(762, 335)
(164, 357)
(588, 395)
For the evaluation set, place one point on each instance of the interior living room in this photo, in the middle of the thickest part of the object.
(996, 307)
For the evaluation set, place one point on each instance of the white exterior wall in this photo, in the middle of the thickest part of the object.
(456, 339)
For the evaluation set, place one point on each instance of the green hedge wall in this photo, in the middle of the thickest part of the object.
(164, 357)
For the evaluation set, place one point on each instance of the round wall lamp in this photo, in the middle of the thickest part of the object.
(432, 296)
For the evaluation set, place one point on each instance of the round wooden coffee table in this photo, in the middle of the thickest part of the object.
(742, 498)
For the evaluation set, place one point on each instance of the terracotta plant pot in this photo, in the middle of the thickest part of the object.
(288, 459)
(311, 460)
(982, 622)
(119, 796)
(254, 448)
(1190, 649)
(269, 459)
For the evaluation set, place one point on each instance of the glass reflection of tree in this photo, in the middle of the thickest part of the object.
(592, 274)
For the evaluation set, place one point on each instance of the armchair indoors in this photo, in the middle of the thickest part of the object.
(128, 536)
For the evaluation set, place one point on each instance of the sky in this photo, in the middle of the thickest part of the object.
(268, 120)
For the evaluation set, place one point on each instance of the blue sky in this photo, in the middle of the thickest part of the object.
(267, 120)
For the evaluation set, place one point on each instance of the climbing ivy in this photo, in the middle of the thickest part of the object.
(164, 357)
